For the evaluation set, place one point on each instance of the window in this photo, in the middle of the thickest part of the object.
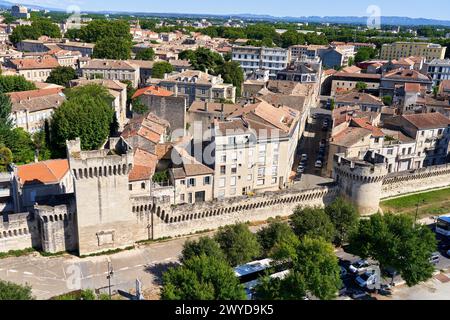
(221, 193)
(183, 182)
(233, 181)
(234, 169)
(260, 182)
(182, 197)
(223, 158)
(233, 192)
(191, 182)
(130, 187)
(274, 171)
(206, 181)
(274, 180)
(261, 172)
(234, 156)
(390, 151)
(190, 197)
(222, 182)
(143, 185)
(232, 140)
(223, 170)
(249, 177)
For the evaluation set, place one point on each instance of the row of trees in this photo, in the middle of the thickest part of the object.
(204, 59)
(305, 244)
(38, 28)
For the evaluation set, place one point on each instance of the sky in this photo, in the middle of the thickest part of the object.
(432, 9)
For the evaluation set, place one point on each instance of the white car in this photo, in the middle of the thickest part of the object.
(367, 279)
(319, 164)
(359, 266)
(304, 158)
(300, 169)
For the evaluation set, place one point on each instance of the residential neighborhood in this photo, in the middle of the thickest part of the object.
(211, 157)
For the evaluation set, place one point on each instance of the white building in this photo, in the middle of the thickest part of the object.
(438, 70)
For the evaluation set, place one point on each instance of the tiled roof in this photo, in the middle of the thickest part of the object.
(152, 91)
(213, 107)
(358, 97)
(149, 127)
(46, 62)
(350, 136)
(46, 172)
(376, 132)
(424, 121)
(190, 167)
(144, 165)
(402, 74)
(105, 64)
(36, 100)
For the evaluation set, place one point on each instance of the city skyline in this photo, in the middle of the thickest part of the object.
(280, 9)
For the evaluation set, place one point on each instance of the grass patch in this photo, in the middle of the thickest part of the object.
(109, 252)
(17, 253)
(436, 203)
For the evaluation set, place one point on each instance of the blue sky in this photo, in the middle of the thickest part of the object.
(436, 9)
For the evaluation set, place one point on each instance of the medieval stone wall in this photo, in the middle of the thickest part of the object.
(18, 232)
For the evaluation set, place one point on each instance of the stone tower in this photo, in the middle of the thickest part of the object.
(103, 209)
(360, 180)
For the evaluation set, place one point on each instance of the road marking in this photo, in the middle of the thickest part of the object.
(138, 266)
(125, 268)
(13, 271)
(169, 259)
(28, 273)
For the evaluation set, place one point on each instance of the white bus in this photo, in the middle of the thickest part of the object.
(443, 226)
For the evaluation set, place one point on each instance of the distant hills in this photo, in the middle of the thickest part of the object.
(385, 20)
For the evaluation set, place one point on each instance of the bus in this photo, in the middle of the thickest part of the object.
(443, 226)
(253, 270)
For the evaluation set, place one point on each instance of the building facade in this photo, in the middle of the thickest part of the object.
(252, 59)
(399, 50)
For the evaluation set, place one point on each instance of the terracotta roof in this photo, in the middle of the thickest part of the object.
(104, 64)
(36, 100)
(46, 62)
(144, 165)
(110, 84)
(213, 107)
(148, 126)
(424, 121)
(350, 136)
(357, 98)
(363, 123)
(352, 69)
(402, 74)
(190, 167)
(152, 91)
(46, 172)
(412, 87)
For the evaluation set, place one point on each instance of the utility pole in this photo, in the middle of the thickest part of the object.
(109, 276)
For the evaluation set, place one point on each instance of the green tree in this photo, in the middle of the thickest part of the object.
(238, 243)
(146, 54)
(112, 48)
(232, 72)
(5, 110)
(6, 158)
(364, 54)
(396, 241)
(292, 287)
(202, 278)
(47, 28)
(21, 33)
(292, 37)
(344, 217)
(86, 114)
(15, 84)
(387, 100)
(161, 68)
(203, 59)
(11, 291)
(312, 222)
(21, 145)
(62, 76)
(361, 86)
(274, 235)
(101, 29)
(88, 295)
(204, 245)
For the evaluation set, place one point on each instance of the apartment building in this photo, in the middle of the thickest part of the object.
(86, 49)
(197, 85)
(254, 149)
(399, 77)
(30, 109)
(365, 101)
(254, 58)
(336, 57)
(111, 70)
(431, 132)
(344, 82)
(34, 69)
(438, 70)
(399, 50)
(304, 70)
(297, 52)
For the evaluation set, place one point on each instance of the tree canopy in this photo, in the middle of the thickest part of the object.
(86, 114)
(112, 48)
(273, 235)
(62, 76)
(12, 291)
(396, 241)
(232, 72)
(204, 245)
(38, 28)
(14, 84)
(238, 244)
(344, 217)
(161, 68)
(147, 54)
(364, 54)
(312, 222)
(202, 278)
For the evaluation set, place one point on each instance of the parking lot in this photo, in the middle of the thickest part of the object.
(435, 288)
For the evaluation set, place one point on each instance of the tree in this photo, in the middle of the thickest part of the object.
(361, 86)
(62, 76)
(25, 32)
(387, 100)
(112, 48)
(161, 68)
(11, 291)
(146, 54)
(47, 28)
(204, 245)
(86, 114)
(5, 110)
(202, 278)
(364, 54)
(232, 72)
(396, 241)
(312, 222)
(5, 158)
(21, 145)
(203, 59)
(292, 37)
(292, 287)
(344, 217)
(272, 236)
(101, 29)
(238, 243)
(14, 84)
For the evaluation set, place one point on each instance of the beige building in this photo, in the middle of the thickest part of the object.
(399, 50)
(34, 69)
(111, 70)
(30, 109)
(254, 150)
(197, 85)
(344, 82)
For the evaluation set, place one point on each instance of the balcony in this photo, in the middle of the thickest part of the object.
(406, 156)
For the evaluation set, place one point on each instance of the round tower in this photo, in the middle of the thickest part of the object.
(360, 180)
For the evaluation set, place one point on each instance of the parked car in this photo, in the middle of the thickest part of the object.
(435, 258)
(367, 279)
(358, 294)
(359, 266)
(304, 157)
(323, 143)
(344, 272)
(300, 169)
(319, 164)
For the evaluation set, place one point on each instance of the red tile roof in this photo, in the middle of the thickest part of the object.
(46, 172)
(152, 91)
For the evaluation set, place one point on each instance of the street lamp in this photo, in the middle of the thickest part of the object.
(109, 276)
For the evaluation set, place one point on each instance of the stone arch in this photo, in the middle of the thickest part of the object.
(171, 220)
(5, 234)
(60, 217)
(86, 173)
(119, 169)
(124, 169)
(51, 218)
(45, 219)
(15, 232)
(95, 172)
(10, 233)
(20, 232)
